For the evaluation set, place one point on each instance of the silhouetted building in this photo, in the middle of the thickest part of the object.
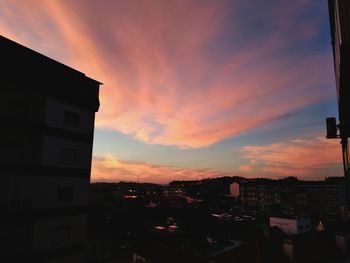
(339, 14)
(339, 11)
(206, 187)
(47, 111)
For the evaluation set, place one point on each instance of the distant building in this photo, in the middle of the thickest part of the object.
(291, 225)
(174, 195)
(209, 187)
(248, 193)
(234, 189)
(47, 124)
(291, 196)
(299, 240)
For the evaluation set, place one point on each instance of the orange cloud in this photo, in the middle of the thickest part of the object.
(303, 158)
(110, 169)
(165, 81)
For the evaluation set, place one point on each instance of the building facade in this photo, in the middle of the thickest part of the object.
(324, 199)
(339, 16)
(48, 111)
(339, 12)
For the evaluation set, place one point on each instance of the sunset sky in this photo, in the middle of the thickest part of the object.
(195, 88)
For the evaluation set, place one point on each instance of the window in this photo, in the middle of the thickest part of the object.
(64, 194)
(61, 236)
(71, 119)
(68, 156)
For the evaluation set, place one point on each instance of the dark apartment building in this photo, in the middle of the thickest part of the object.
(47, 123)
(290, 196)
(339, 12)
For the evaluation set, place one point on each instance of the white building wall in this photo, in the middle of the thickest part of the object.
(55, 116)
(288, 226)
(234, 189)
(42, 191)
(291, 226)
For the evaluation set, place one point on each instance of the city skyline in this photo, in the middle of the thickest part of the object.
(194, 90)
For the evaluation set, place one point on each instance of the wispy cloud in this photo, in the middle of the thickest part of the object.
(184, 73)
(109, 168)
(302, 158)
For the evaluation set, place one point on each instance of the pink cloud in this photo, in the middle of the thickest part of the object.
(111, 169)
(303, 158)
(246, 168)
(162, 81)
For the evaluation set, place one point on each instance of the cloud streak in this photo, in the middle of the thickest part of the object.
(302, 158)
(183, 73)
(110, 169)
